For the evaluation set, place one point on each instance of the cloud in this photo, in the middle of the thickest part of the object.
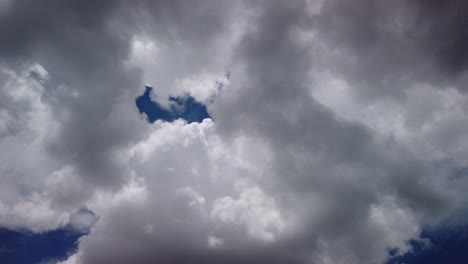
(335, 137)
(252, 209)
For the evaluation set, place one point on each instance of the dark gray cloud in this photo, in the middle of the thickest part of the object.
(27, 23)
(394, 45)
(72, 41)
(314, 152)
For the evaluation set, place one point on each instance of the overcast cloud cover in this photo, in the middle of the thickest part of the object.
(338, 129)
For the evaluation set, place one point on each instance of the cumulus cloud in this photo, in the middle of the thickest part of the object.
(336, 130)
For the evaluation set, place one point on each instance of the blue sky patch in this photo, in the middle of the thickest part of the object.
(182, 107)
(24, 247)
(447, 246)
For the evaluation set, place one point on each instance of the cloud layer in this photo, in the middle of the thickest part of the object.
(336, 130)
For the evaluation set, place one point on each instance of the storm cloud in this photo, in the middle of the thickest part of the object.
(335, 129)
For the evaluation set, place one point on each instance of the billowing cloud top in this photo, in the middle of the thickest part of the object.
(336, 129)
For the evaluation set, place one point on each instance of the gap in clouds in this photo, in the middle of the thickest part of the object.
(22, 246)
(447, 245)
(27, 247)
(185, 107)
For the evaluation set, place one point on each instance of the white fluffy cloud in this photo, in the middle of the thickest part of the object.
(253, 209)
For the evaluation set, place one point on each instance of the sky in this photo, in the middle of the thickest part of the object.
(182, 107)
(250, 131)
